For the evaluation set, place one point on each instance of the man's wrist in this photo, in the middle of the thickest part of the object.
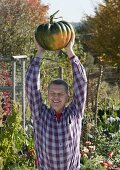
(39, 55)
(71, 54)
(72, 57)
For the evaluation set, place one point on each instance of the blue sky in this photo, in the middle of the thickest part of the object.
(72, 10)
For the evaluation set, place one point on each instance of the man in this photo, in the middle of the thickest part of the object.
(57, 129)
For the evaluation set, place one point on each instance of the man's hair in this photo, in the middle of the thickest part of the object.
(59, 82)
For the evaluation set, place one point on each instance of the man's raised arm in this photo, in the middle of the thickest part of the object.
(79, 78)
(33, 85)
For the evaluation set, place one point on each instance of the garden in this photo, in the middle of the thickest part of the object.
(97, 45)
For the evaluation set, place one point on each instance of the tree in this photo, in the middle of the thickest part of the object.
(103, 33)
(19, 19)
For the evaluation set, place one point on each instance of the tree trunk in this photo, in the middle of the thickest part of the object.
(97, 93)
(87, 100)
(118, 82)
(60, 72)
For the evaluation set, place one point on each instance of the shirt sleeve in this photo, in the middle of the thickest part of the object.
(80, 86)
(33, 88)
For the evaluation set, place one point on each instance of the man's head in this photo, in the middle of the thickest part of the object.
(58, 94)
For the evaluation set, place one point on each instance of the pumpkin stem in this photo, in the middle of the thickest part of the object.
(59, 17)
(52, 17)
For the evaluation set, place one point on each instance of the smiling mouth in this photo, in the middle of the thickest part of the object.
(56, 102)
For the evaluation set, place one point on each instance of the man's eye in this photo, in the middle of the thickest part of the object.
(53, 94)
(57, 94)
(60, 94)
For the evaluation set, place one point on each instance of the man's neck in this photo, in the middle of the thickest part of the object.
(58, 115)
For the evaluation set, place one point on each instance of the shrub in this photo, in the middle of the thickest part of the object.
(16, 147)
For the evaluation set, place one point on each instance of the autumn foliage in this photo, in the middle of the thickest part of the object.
(19, 19)
(102, 33)
(5, 96)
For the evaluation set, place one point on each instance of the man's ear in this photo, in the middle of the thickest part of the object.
(68, 97)
(68, 94)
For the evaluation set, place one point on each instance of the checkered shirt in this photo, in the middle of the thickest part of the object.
(57, 143)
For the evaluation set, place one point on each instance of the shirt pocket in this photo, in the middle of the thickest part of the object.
(70, 130)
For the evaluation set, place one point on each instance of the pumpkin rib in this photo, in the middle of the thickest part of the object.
(68, 32)
(39, 31)
(52, 35)
(46, 36)
(69, 25)
(58, 35)
(64, 33)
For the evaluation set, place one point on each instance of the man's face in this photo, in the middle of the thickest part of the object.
(57, 97)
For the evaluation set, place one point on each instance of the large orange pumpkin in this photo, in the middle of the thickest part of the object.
(54, 35)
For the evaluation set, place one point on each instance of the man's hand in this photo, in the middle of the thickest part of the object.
(40, 50)
(69, 47)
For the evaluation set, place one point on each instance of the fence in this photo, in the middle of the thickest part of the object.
(17, 78)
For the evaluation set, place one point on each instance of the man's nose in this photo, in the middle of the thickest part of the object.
(56, 95)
